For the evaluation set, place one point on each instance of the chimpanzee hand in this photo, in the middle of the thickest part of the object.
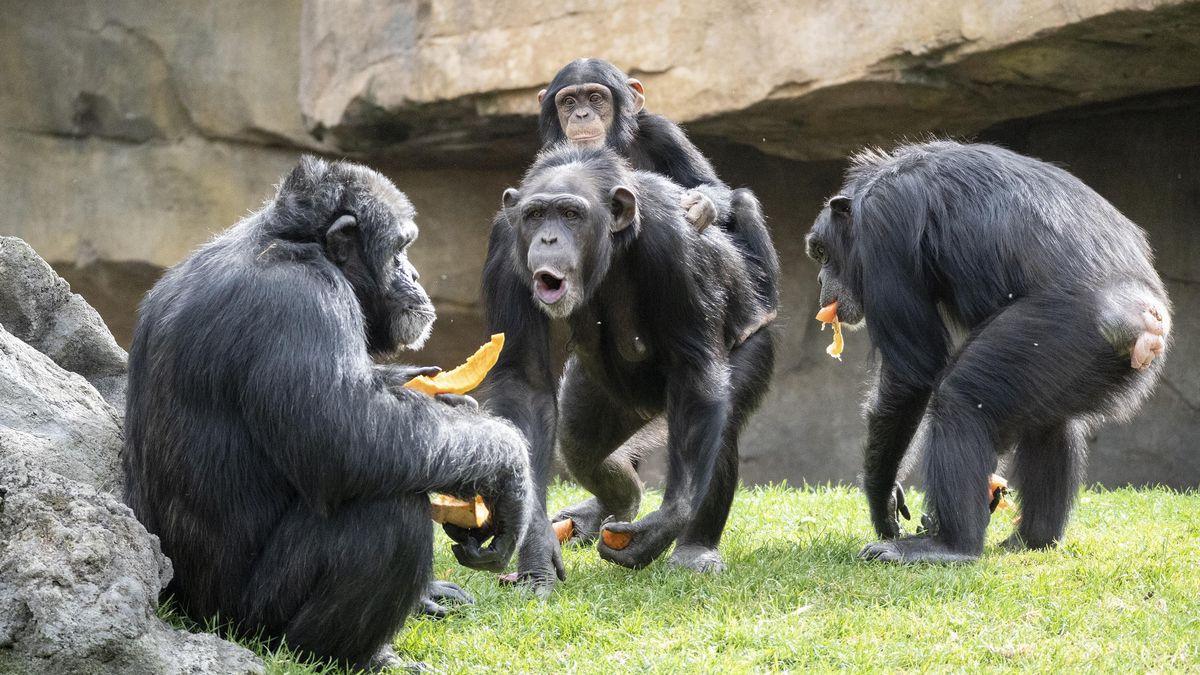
(509, 496)
(650, 536)
(458, 400)
(887, 519)
(396, 375)
(698, 209)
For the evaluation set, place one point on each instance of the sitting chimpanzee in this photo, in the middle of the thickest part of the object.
(1060, 313)
(591, 103)
(284, 472)
(663, 318)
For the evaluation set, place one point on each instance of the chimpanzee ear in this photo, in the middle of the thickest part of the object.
(639, 94)
(840, 205)
(341, 239)
(624, 208)
(510, 198)
(541, 97)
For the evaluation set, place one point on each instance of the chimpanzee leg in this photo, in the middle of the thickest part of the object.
(1041, 360)
(591, 427)
(1049, 470)
(750, 366)
(340, 586)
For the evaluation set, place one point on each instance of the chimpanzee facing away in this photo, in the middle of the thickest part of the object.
(1060, 314)
(284, 472)
(663, 318)
(591, 102)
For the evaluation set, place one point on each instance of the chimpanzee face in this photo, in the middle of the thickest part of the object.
(587, 111)
(828, 245)
(564, 223)
(369, 241)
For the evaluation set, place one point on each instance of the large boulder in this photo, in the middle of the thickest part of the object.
(54, 418)
(806, 80)
(38, 307)
(79, 585)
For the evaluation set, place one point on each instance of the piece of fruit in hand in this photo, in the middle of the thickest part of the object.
(465, 377)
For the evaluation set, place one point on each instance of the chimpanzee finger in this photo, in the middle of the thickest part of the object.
(458, 400)
(461, 534)
(469, 555)
(901, 505)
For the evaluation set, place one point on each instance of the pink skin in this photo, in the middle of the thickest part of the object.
(544, 281)
(699, 209)
(1153, 340)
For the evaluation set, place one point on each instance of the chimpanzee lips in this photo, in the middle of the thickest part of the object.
(548, 286)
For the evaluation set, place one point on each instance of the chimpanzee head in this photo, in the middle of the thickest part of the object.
(574, 209)
(830, 244)
(590, 103)
(365, 226)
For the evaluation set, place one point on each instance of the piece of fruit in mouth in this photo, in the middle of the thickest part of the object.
(828, 314)
(549, 286)
(465, 377)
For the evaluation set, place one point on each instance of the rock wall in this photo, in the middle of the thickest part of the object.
(439, 96)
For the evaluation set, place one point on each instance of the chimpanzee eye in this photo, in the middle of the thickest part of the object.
(536, 214)
(568, 101)
(570, 214)
(594, 98)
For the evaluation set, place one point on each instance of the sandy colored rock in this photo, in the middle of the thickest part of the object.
(805, 80)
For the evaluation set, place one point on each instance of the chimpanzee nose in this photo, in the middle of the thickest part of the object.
(549, 239)
(583, 113)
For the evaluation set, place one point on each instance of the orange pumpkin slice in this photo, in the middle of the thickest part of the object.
(447, 509)
(615, 540)
(465, 377)
(828, 314)
(563, 529)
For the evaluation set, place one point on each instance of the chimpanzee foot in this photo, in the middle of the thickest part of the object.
(439, 593)
(914, 550)
(587, 517)
(1152, 340)
(647, 539)
(387, 660)
(698, 559)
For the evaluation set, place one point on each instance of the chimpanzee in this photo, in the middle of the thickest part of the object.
(662, 318)
(591, 102)
(1011, 306)
(284, 472)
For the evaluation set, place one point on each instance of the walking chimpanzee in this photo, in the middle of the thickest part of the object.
(662, 317)
(1062, 319)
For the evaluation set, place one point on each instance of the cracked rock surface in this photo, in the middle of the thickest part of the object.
(79, 585)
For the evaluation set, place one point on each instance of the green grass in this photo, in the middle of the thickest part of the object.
(1121, 593)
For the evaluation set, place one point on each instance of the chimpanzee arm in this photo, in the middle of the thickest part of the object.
(316, 407)
(520, 388)
(666, 150)
(913, 345)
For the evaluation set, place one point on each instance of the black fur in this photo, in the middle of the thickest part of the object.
(653, 143)
(283, 471)
(658, 328)
(1043, 281)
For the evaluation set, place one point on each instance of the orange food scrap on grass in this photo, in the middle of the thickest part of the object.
(828, 314)
(465, 377)
(563, 529)
(448, 509)
(615, 540)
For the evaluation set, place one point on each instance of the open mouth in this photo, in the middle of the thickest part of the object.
(549, 286)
